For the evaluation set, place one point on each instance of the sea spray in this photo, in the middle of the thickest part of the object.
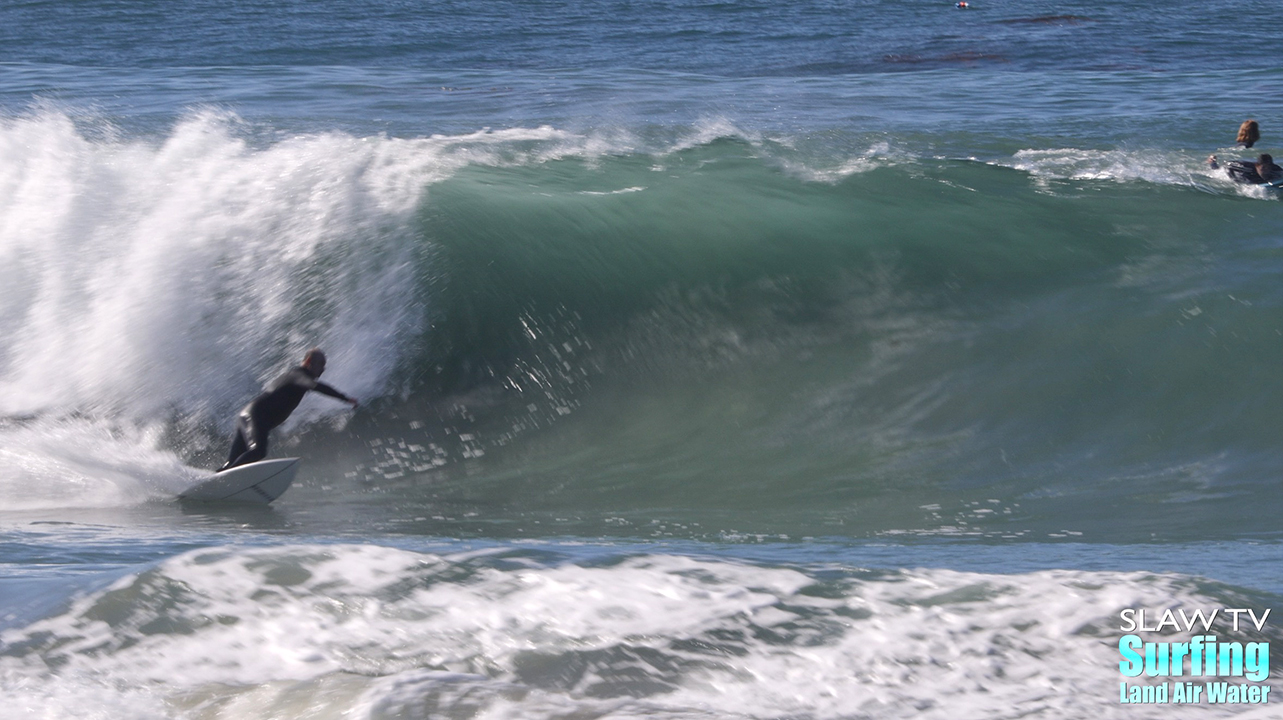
(150, 279)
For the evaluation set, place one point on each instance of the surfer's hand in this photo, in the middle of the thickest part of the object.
(353, 401)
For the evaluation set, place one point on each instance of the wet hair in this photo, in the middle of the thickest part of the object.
(314, 356)
(1248, 133)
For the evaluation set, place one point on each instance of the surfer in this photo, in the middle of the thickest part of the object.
(1252, 173)
(274, 405)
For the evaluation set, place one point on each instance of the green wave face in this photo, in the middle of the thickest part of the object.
(940, 346)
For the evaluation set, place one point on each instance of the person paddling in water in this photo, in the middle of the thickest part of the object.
(274, 405)
(1252, 173)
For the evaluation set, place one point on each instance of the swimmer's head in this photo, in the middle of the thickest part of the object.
(314, 362)
(1266, 168)
(1248, 133)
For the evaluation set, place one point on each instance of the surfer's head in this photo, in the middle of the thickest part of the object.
(314, 362)
(1248, 133)
(1266, 168)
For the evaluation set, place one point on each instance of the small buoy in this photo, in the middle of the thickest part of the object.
(962, 5)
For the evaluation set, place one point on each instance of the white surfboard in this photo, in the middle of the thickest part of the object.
(259, 482)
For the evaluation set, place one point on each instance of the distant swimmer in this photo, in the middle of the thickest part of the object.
(1250, 173)
(1248, 133)
(274, 405)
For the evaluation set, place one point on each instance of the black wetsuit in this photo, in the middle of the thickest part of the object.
(1245, 171)
(271, 408)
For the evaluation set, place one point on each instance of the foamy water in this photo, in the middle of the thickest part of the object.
(368, 631)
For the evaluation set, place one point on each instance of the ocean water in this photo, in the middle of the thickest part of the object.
(806, 360)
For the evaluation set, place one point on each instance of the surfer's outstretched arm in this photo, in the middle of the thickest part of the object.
(334, 393)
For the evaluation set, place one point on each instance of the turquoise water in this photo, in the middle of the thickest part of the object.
(716, 359)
